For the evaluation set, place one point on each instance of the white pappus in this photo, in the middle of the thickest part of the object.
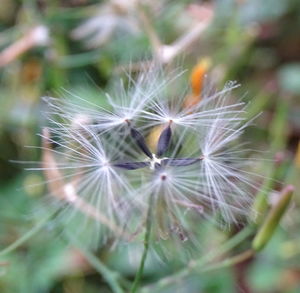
(196, 169)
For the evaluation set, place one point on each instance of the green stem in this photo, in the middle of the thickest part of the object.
(231, 243)
(199, 264)
(112, 278)
(28, 235)
(230, 261)
(140, 271)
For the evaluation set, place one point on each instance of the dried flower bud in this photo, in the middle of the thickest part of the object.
(197, 82)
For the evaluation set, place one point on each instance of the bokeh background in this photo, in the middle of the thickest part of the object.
(82, 46)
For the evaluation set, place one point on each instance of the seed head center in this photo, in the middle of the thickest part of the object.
(154, 161)
(163, 177)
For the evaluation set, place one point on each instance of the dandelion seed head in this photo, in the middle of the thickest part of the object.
(195, 169)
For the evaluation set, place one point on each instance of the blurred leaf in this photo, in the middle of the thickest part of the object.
(289, 78)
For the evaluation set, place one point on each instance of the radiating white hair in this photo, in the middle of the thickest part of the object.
(197, 171)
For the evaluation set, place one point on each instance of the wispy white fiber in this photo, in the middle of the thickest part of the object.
(197, 171)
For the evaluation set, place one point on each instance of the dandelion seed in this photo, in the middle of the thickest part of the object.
(194, 170)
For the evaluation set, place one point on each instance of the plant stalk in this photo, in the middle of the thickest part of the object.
(140, 271)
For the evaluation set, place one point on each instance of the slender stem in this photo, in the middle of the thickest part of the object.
(112, 278)
(231, 261)
(197, 265)
(183, 42)
(150, 31)
(20, 241)
(234, 241)
(140, 271)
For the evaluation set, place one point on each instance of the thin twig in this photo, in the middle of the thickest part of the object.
(150, 31)
(169, 52)
(164, 53)
(38, 36)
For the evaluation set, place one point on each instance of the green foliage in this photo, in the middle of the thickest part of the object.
(253, 42)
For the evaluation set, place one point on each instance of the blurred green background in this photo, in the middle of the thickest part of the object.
(47, 47)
